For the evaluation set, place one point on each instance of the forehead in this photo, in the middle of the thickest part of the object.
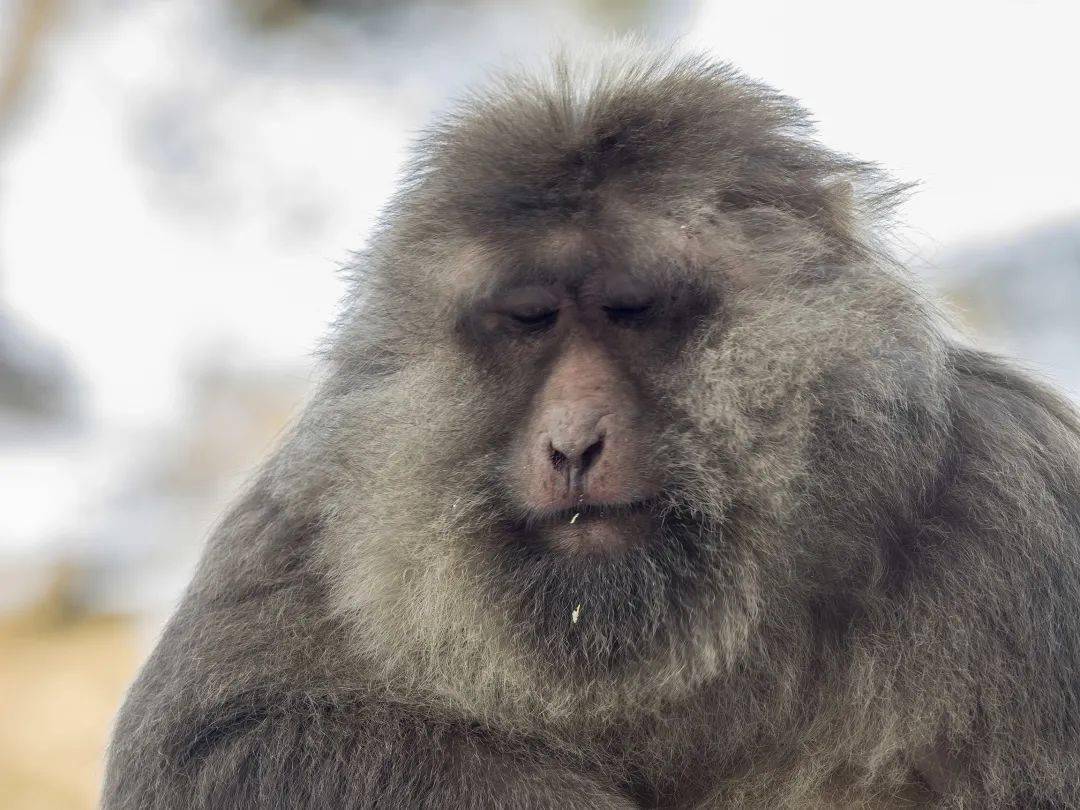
(573, 256)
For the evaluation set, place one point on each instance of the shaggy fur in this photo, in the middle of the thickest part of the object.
(866, 591)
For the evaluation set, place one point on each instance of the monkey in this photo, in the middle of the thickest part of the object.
(640, 474)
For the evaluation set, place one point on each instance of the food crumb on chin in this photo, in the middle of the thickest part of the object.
(575, 615)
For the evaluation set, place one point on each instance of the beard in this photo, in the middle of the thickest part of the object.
(603, 613)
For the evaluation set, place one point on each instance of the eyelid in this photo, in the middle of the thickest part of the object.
(629, 316)
(537, 318)
(526, 304)
(628, 307)
(531, 309)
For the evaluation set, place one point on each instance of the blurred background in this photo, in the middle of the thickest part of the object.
(181, 181)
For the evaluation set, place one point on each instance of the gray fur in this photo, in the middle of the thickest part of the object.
(870, 591)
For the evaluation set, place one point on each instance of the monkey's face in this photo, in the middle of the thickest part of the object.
(596, 540)
(601, 383)
(575, 358)
(593, 457)
(597, 447)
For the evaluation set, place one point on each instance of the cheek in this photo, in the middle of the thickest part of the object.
(748, 430)
(436, 414)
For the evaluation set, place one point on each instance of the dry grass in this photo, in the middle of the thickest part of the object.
(61, 681)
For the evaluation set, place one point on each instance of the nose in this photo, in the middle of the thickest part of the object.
(575, 443)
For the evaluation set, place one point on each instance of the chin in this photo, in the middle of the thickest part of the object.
(603, 592)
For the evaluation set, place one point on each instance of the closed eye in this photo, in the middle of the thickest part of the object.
(531, 309)
(628, 315)
(535, 320)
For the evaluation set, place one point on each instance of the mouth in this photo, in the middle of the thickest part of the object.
(590, 512)
(599, 528)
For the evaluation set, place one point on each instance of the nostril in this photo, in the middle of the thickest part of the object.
(565, 458)
(558, 460)
(592, 452)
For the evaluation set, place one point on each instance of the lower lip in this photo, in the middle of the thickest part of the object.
(597, 534)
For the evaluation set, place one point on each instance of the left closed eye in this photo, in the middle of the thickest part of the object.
(628, 313)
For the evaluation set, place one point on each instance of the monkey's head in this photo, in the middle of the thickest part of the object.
(618, 358)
